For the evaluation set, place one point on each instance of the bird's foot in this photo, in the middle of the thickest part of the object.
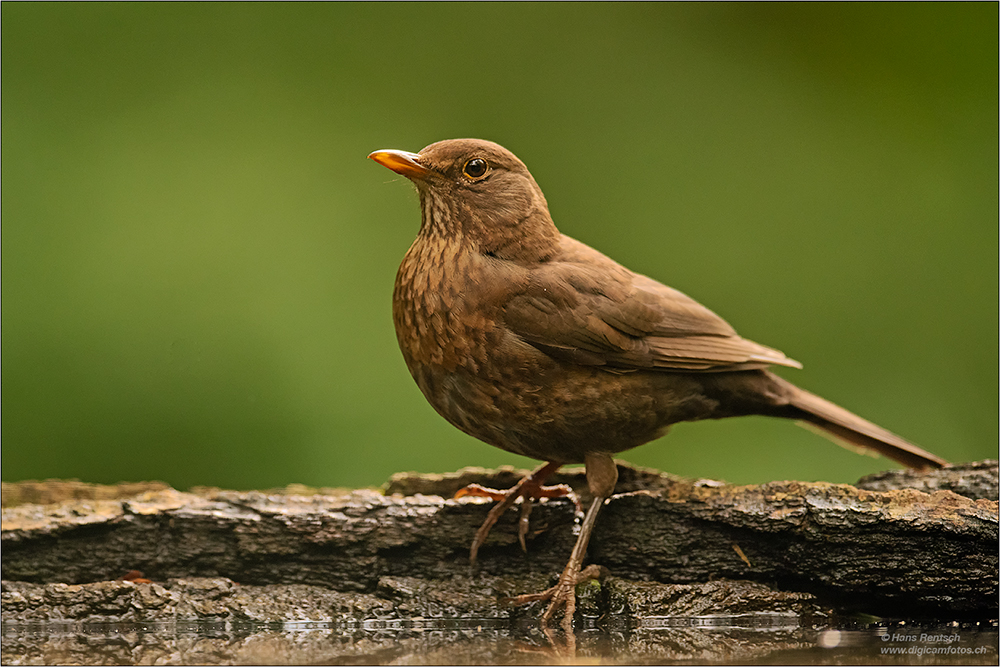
(529, 488)
(562, 595)
(528, 493)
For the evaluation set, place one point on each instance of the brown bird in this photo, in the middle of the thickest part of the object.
(538, 344)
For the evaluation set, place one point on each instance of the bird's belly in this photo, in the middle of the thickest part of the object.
(517, 398)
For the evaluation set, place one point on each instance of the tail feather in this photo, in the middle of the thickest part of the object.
(857, 432)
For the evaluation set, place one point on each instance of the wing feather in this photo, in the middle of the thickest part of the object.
(583, 307)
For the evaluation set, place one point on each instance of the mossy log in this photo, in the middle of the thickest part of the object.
(403, 551)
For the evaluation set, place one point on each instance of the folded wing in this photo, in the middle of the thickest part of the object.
(596, 312)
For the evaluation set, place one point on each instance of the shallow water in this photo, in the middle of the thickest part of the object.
(759, 639)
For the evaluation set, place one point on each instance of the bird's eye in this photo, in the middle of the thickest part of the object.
(475, 168)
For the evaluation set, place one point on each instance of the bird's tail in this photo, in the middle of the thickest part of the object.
(846, 428)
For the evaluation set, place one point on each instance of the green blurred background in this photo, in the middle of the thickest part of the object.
(198, 259)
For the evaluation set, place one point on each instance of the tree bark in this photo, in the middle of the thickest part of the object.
(801, 547)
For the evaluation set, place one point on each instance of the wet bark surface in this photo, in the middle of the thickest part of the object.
(700, 572)
(336, 554)
(976, 480)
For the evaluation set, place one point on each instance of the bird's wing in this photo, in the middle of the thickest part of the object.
(586, 308)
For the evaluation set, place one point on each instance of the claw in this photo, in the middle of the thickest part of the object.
(481, 491)
(522, 523)
(529, 487)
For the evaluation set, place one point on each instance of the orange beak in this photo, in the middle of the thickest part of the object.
(401, 162)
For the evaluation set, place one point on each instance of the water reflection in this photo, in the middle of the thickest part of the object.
(702, 640)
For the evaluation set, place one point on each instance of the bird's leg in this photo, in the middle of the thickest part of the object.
(602, 473)
(529, 487)
(563, 594)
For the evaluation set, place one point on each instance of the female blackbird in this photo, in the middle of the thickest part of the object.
(538, 344)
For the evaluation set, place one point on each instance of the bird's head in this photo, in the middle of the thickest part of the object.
(478, 192)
